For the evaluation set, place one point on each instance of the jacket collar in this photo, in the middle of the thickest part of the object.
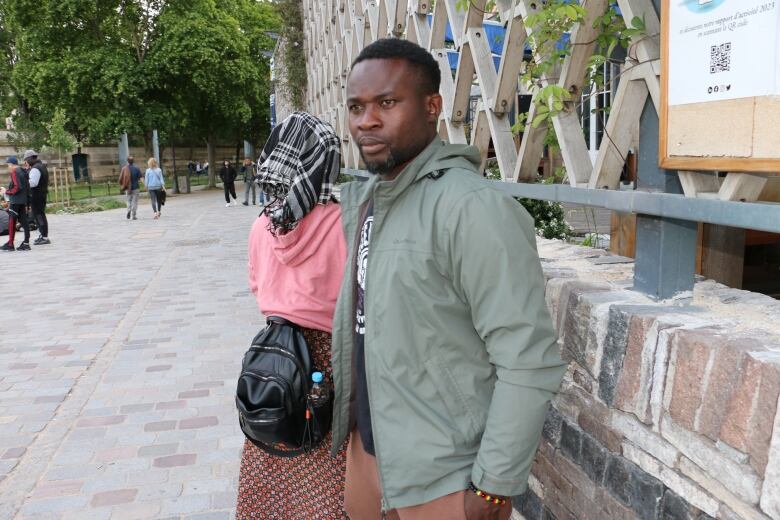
(390, 190)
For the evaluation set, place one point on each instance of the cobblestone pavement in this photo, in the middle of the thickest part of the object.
(119, 348)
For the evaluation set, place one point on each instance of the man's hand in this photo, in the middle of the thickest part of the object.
(477, 508)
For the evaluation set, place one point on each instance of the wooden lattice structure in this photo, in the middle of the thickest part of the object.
(337, 30)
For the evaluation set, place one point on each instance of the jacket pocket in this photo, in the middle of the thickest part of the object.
(452, 395)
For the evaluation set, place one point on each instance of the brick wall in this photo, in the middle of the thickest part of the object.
(668, 410)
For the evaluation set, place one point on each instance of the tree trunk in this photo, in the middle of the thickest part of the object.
(148, 148)
(212, 148)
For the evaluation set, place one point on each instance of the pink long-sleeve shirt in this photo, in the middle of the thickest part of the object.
(297, 276)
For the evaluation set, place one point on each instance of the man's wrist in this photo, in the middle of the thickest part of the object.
(488, 497)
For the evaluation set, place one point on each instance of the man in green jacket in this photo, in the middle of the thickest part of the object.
(444, 355)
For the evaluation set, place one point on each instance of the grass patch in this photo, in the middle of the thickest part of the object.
(88, 207)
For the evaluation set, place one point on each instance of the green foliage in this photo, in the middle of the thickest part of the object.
(59, 139)
(463, 5)
(548, 26)
(548, 218)
(191, 68)
(296, 74)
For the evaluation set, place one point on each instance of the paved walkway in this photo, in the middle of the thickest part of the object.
(119, 348)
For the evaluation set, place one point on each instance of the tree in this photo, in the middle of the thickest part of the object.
(59, 139)
(190, 68)
(203, 58)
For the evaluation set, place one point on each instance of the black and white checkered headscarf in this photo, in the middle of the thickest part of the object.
(297, 169)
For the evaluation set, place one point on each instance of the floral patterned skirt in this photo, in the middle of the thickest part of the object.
(306, 487)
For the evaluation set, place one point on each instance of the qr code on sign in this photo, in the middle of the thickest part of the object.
(720, 58)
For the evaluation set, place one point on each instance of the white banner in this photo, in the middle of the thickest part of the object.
(723, 49)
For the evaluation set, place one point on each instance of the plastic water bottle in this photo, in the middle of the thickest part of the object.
(319, 394)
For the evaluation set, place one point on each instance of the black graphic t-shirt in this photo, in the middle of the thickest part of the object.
(363, 411)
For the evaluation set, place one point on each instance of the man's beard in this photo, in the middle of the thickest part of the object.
(394, 158)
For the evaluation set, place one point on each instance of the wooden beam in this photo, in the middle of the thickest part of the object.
(447, 86)
(464, 77)
(531, 150)
(396, 10)
(420, 6)
(418, 24)
(480, 135)
(511, 63)
(622, 125)
(567, 123)
(500, 130)
(438, 27)
(723, 254)
(450, 132)
(372, 15)
(456, 18)
(744, 187)
(694, 184)
(381, 29)
(646, 46)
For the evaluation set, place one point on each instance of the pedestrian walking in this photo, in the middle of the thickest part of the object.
(17, 194)
(445, 357)
(248, 171)
(296, 256)
(228, 176)
(155, 184)
(129, 180)
(38, 176)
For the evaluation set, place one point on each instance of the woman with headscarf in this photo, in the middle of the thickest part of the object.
(297, 254)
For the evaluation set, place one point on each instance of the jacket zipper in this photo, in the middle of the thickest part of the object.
(372, 239)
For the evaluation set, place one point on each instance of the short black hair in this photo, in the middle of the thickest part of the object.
(396, 48)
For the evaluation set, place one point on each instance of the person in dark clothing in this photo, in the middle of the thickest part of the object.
(228, 176)
(38, 176)
(17, 194)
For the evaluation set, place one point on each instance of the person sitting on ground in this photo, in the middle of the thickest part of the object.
(18, 195)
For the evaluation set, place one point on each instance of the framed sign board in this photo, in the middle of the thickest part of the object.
(720, 85)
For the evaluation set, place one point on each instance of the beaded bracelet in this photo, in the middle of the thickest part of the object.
(488, 498)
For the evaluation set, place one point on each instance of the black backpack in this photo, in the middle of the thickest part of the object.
(273, 389)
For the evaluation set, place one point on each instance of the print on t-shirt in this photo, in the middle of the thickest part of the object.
(362, 261)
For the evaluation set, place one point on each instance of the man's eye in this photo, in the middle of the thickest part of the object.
(387, 103)
(355, 108)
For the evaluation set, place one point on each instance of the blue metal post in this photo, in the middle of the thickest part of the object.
(665, 247)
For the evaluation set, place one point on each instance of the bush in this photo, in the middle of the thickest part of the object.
(548, 218)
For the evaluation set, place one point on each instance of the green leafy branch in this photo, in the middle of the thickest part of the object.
(548, 27)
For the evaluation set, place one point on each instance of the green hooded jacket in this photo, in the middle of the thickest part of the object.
(461, 354)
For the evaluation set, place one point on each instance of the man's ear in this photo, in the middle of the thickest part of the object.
(433, 106)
